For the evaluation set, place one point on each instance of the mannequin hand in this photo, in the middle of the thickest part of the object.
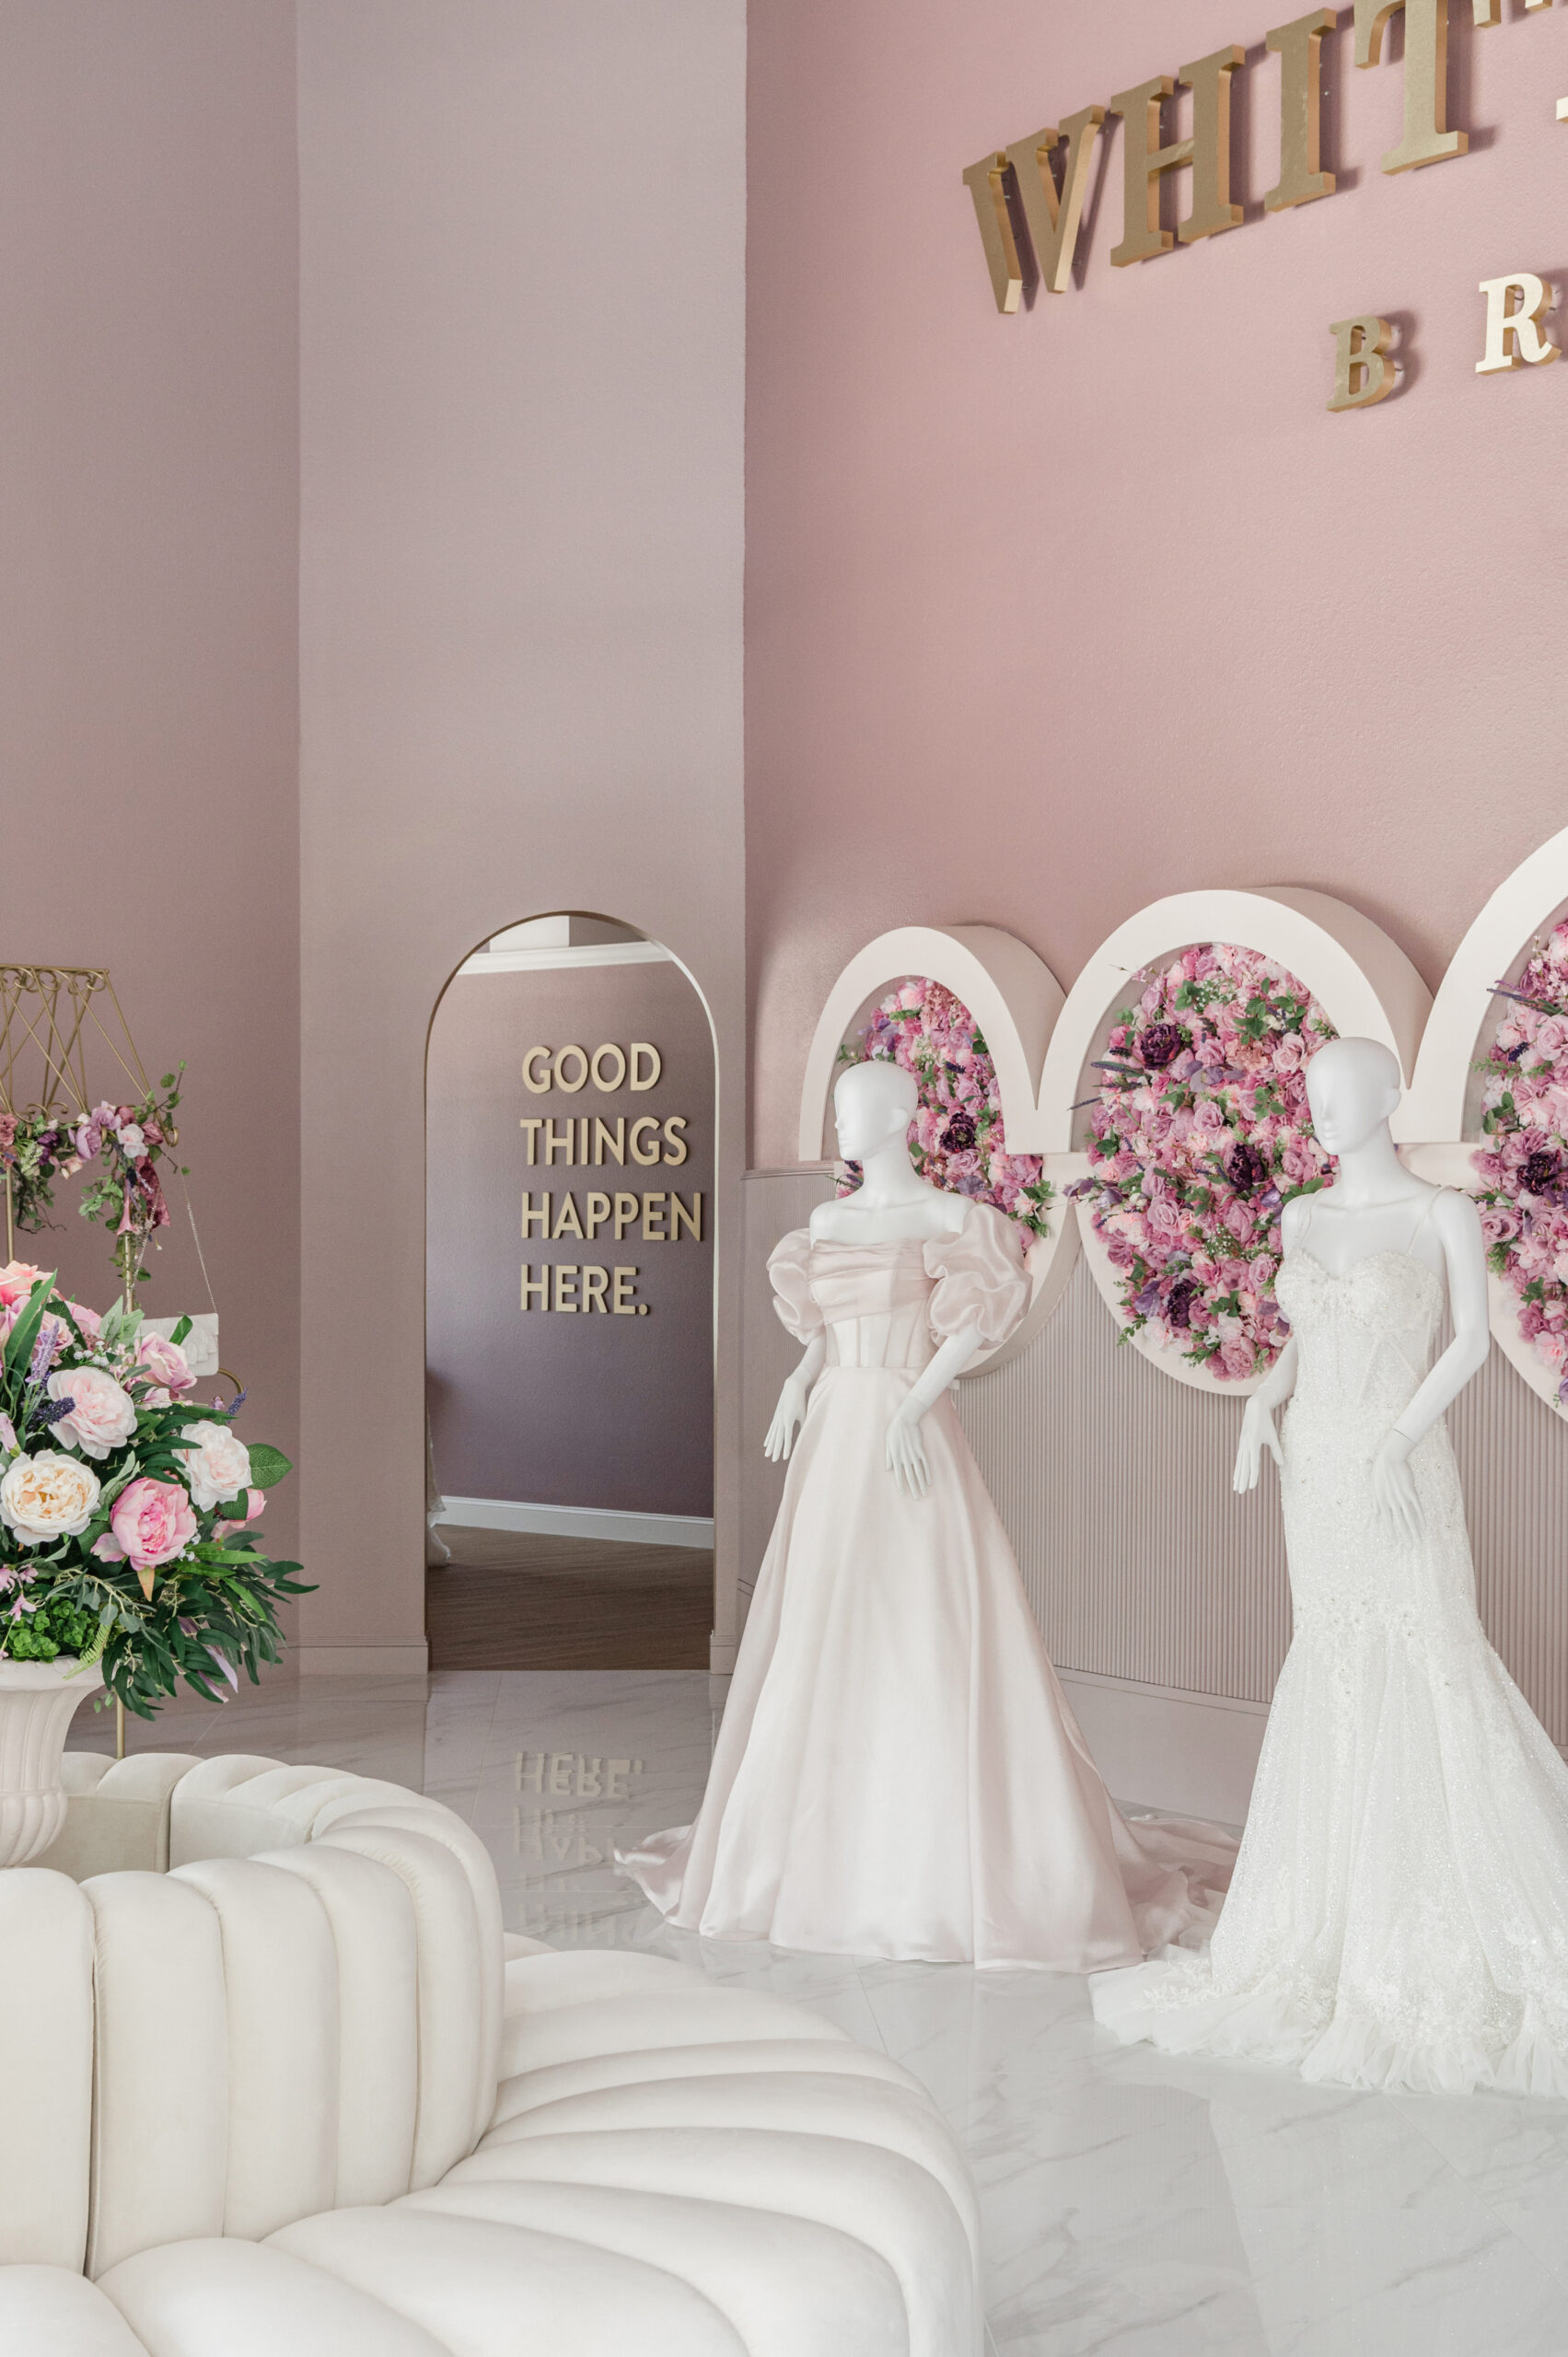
(787, 1416)
(1393, 1486)
(1257, 1434)
(906, 1455)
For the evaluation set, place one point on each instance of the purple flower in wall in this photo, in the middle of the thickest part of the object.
(1248, 1169)
(1540, 1171)
(1179, 1309)
(1159, 1044)
(960, 1134)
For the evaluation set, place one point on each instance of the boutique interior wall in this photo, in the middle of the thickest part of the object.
(148, 548)
(370, 580)
(522, 270)
(1049, 616)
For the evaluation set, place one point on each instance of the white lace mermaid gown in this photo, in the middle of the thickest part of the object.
(897, 1772)
(1399, 1912)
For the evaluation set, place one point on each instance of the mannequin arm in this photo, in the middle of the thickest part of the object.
(791, 1409)
(906, 1450)
(1393, 1485)
(1258, 1433)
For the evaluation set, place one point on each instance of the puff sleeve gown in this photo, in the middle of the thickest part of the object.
(897, 1772)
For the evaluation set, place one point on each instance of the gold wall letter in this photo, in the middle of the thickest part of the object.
(1426, 140)
(1490, 12)
(1053, 216)
(1301, 105)
(1143, 162)
(1363, 371)
(1515, 338)
(643, 1055)
(987, 183)
(1209, 81)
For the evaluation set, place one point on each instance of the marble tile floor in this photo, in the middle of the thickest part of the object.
(1134, 2205)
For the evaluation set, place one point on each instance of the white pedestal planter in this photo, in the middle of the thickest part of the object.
(38, 1701)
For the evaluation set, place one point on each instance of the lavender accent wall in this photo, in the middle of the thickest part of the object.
(576, 1408)
(148, 689)
(1050, 615)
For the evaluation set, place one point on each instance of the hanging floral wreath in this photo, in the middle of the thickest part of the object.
(958, 1142)
(40, 1147)
(1522, 1167)
(1200, 1135)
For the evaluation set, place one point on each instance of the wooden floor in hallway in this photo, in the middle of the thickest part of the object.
(514, 1600)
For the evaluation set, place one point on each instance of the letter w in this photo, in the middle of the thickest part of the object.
(1053, 216)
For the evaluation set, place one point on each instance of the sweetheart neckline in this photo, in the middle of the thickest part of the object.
(1338, 1276)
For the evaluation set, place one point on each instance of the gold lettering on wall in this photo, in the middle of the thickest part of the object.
(1363, 370)
(1426, 138)
(1054, 216)
(1143, 161)
(1209, 80)
(1515, 337)
(1298, 47)
(557, 1285)
(987, 183)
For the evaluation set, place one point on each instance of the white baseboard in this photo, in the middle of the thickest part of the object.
(579, 1522)
(1159, 1747)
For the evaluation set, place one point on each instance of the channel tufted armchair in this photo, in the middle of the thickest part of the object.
(277, 2084)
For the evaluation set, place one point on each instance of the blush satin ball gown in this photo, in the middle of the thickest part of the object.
(897, 1772)
(1399, 1913)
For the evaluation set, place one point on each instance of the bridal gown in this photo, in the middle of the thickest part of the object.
(897, 1772)
(1399, 1913)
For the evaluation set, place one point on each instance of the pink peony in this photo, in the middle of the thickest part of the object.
(18, 1279)
(103, 1414)
(168, 1365)
(1237, 1358)
(152, 1523)
(256, 1505)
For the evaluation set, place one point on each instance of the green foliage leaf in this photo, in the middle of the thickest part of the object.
(268, 1465)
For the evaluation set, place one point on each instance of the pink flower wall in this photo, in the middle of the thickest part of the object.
(1050, 615)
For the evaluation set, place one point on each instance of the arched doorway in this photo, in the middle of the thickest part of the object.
(569, 1118)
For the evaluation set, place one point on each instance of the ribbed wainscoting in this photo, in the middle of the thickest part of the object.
(1114, 1485)
(1141, 1564)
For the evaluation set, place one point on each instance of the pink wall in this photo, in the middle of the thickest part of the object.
(148, 707)
(522, 351)
(1050, 615)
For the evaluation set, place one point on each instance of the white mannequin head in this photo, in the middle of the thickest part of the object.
(1353, 1086)
(873, 1104)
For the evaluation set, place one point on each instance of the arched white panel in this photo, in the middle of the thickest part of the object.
(1365, 984)
(1013, 995)
(1522, 906)
(1016, 999)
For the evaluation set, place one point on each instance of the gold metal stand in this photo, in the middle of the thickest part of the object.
(119, 1729)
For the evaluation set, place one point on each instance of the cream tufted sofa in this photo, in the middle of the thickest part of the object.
(276, 2084)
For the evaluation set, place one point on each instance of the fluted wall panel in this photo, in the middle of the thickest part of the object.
(1141, 1564)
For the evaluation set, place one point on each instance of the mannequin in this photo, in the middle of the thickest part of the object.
(897, 1772)
(873, 1107)
(1352, 1087)
(1399, 1913)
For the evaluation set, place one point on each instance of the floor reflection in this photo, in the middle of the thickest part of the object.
(1134, 2203)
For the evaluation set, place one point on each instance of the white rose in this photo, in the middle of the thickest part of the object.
(218, 1467)
(131, 1141)
(47, 1496)
(103, 1414)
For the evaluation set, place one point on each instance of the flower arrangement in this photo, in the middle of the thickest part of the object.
(128, 1510)
(1200, 1135)
(1523, 1164)
(42, 1146)
(958, 1142)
